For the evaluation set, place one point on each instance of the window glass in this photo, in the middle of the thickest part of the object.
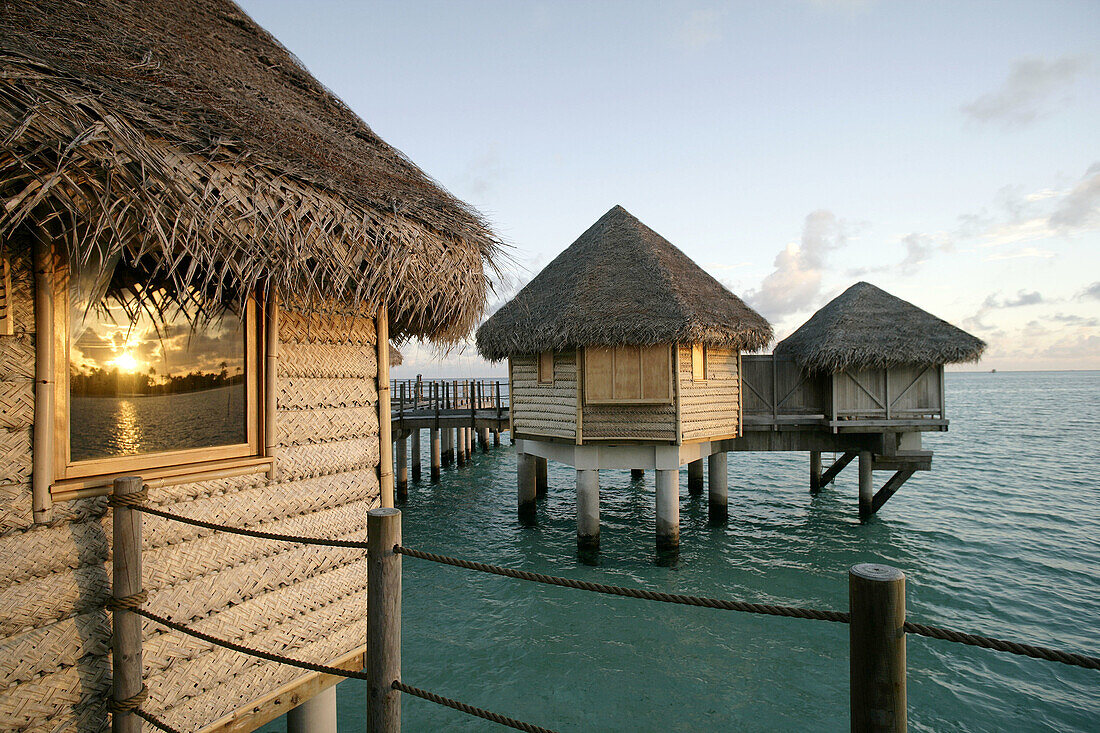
(143, 380)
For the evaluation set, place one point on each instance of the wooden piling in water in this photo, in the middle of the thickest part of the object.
(815, 471)
(447, 439)
(695, 477)
(460, 447)
(866, 485)
(876, 602)
(542, 483)
(414, 448)
(668, 510)
(717, 487)
(383, 620)
(401, 485)
(588, 510)
(496, 438)
(525, 485)
(483, 437)
(125, 624)
(637, 474)
(436, 458)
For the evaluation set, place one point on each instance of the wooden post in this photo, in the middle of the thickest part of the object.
(469, 432)
(415, 450)
(42, 469)
(385, 416)
(126, 625)
(876, 602)
(447, 438)
(525, 485)
(496, 437)
(460, 446)
(433, 439)
(815, 471)
(588, 510)
(401, 486)
(271, 382)
(542, 484)
(866, 485)
(637, 474)
(499, 408)
(695, 477)
(383, 620)
(717, 487)
(668, 510)
(315, 715)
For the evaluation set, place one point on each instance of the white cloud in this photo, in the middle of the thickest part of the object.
(1028, 92)
(701, 28)
(1020, 254)
(796, 281)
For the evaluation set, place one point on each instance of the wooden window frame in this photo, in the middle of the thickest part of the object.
(70, 476)
(541, 377)
(703, 367)
(665, 400)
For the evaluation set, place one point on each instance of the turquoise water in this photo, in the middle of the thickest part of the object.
(1002, 537)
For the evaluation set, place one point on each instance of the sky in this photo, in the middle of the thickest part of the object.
(944, 151)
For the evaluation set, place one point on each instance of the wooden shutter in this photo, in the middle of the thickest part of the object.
(698, 363)
(628, 374)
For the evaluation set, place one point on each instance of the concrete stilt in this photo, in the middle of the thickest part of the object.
(460, 446)
(637, 474)
(525, 485)
(588, 510)
(483, 436)
(718, 487)
(437, 461)
(401, 485)
(447, 440)
(469, 443)
(668, 510)
(315, 715)
(866, 485)
(695, 477)
(542, 486)
(496, 438)
(815, 471)
(414, 449)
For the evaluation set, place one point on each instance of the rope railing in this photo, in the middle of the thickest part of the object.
(385, 547)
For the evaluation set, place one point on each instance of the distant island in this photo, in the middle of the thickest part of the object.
(99, 382)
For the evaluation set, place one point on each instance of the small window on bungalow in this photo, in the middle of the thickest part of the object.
(546, 367)
(156, 377)
(628, 374)
(698, 363)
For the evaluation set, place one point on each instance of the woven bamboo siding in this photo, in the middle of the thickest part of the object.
(629, 422)
(711, 408)
(307, 602)
(545, 409)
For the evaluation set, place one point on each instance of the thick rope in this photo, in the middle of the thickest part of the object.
(324, 668)
(647, 595)
(470, 709)
(358, 544)
(128, 603)
(156, 722)
(1000, 645)
(134, 500)
(130, 704)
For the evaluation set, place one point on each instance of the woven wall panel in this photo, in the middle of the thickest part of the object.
(22, 288)
(341, 455)
(15, 510)
(17, 357)
(643, 422)
(17, 404)
(72, 699)
(225, 698)
(302, 393)
(15, 456)
(39, 651)
(319, 426)
(45, 550)
(329, 330)
(320, 360)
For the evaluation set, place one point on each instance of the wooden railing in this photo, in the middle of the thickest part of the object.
(447, 395)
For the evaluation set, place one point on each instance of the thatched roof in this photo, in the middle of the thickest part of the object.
(621, 283)
(866, 327)
(396, 358)
(181, 130)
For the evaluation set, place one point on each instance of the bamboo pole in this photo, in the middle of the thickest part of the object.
(876, 601)
(271, 375)
(42, 472)
(383, 620)
(126, 625)
(385, 469)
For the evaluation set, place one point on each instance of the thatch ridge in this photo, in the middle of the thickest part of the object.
(866, 327)
(621, 283)
(182, 129)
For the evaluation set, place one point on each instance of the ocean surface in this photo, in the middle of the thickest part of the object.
(1001, 538)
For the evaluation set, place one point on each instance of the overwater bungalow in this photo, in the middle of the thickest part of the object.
(204, 252)
(622, 353)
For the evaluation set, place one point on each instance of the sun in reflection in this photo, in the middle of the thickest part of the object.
(125, 362)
